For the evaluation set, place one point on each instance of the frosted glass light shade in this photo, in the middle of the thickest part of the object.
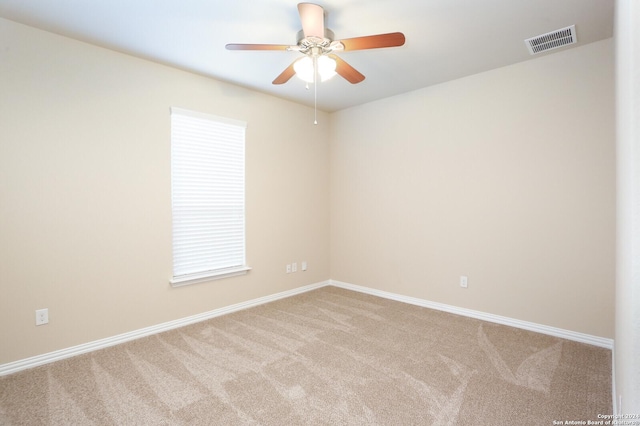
(304, 68)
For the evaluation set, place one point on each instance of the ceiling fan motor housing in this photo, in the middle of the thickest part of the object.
(307, 44)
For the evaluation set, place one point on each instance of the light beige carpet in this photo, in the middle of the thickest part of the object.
(327, 357)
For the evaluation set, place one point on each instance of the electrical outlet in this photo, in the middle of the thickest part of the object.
(288, 268)
(294, 267)
(42, 316)
(464, 281)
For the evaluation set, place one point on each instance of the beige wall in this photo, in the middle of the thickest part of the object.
(507, 177)
(85, 213)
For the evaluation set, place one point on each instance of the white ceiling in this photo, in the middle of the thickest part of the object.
(445, 39)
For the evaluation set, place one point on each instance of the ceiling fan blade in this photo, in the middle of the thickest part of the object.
(256, 47)
(312, 19)
(374, 41)
(346, 71)
(285, 75)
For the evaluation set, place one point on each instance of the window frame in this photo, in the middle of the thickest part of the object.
(178, 235)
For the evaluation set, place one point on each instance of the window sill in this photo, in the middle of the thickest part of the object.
(208, 276)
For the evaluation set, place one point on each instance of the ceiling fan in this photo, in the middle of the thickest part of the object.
(317, 43)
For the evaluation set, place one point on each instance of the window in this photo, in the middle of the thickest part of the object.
(207, 197)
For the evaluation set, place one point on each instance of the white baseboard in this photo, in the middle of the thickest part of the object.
(14, 367)
(539, 328)
(617, 404)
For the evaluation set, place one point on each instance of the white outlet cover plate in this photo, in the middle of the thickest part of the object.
(42, 316)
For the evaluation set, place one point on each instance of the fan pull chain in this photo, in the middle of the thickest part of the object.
(315, 90)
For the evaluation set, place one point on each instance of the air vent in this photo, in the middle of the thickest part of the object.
(552, 40)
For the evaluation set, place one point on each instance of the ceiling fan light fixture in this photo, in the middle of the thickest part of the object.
(304, 68)
(326, 67)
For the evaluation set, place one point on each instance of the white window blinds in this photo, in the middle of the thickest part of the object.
(207, 196)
